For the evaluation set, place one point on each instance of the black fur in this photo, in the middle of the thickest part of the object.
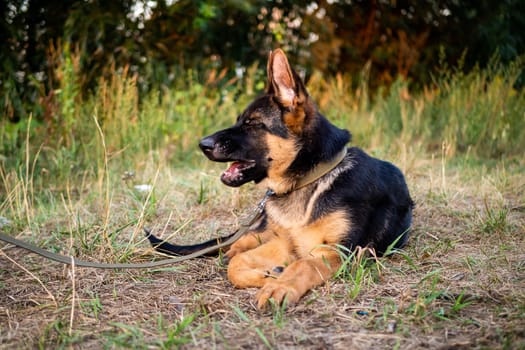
(178, 250)
(381, 207)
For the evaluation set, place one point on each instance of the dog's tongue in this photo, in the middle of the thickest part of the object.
(233, 171)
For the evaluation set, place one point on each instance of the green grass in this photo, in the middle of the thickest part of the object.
(86, 181)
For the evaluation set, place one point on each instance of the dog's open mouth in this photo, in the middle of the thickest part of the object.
(235, 174)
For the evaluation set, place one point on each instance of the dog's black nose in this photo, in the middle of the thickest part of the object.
(207, 144)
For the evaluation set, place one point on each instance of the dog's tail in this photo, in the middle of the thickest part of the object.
(178, 250)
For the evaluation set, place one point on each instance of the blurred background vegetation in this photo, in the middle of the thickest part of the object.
(84, 78)
(158, 40)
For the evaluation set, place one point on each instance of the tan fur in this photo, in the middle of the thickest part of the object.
(281, 77)
(321, 236)
(249, 241)
(252, 268)
(306, 250)
(288, 93)
(282, 152)
(291, 238)
(295, 210)
(291, 211)
(298, 278)
(295, 120)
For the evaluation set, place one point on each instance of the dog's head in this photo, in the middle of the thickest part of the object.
(279, 137)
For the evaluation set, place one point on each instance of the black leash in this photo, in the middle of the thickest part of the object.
(70, 260)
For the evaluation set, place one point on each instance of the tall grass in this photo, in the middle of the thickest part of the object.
(95, 139)
(479, 113)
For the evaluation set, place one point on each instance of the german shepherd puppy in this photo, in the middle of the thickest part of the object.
(323, 193)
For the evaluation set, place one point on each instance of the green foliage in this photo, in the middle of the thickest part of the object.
(278, 312)
(92, 307)
(133, 336)
(157, 40)
(360, 268)
(495, 221)
(58, 334)
(479, 113)
(175, 333)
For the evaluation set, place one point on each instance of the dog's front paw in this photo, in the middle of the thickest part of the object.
(278, 291)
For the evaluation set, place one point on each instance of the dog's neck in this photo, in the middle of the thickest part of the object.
(320, 170)
(315, 174)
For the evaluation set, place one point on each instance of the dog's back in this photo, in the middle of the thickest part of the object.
(378, 199)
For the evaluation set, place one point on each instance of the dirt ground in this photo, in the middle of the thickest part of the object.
(460, 284)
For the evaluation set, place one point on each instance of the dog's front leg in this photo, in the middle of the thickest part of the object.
(249, 241)
(298, 278)
(254, 267)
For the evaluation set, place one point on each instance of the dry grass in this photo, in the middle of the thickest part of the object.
(460, 282)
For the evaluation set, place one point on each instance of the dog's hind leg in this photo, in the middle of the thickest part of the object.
(249, 241)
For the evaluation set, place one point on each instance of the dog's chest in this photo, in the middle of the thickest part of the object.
(296, 210)
(293, 211)
(288, 214)
(295, 219)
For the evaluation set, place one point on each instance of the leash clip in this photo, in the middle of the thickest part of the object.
(262, 203)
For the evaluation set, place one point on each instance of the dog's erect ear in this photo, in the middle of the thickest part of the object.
(282, 80)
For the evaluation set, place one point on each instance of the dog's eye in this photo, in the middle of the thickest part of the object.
(251, 122)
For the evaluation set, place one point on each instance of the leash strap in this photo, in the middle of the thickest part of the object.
(70, 260)
(320, 170)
